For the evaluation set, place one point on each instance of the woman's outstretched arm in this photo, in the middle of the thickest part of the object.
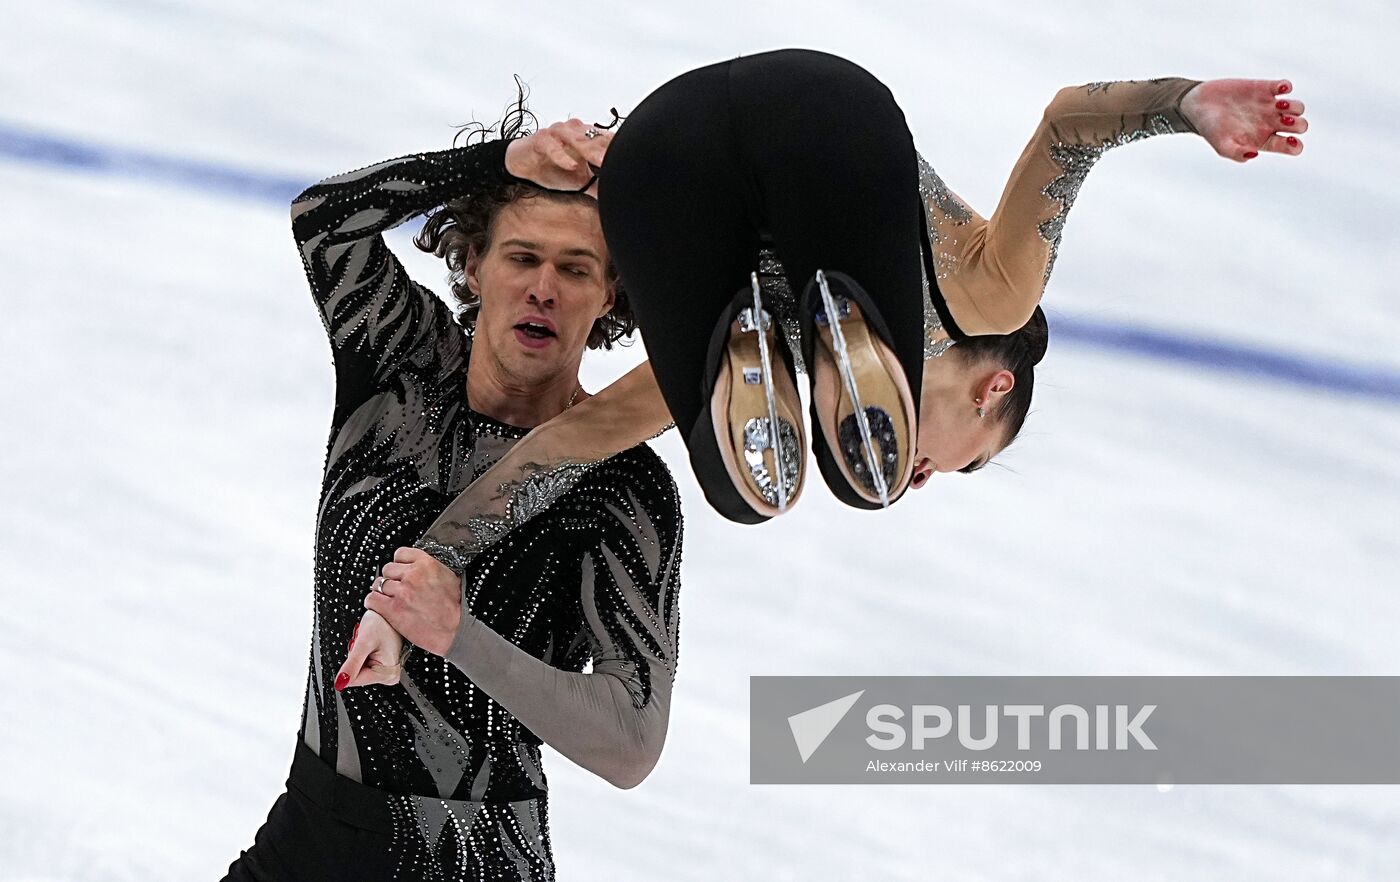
(992, 272)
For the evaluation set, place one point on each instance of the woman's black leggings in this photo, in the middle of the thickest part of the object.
(806, 148)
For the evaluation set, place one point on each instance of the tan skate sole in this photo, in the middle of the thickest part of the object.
(880, 383)
(735, 402)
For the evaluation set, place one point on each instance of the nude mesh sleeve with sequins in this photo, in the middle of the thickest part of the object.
(373, 313)
(544, 464)
(613, 720)
(992, 273)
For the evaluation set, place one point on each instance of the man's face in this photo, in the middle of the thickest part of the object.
(542, 285)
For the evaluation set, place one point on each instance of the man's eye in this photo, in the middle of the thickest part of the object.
(579, 271)
(523, 258)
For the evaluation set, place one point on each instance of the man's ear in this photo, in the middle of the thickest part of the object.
(470, 269)
(612, 298)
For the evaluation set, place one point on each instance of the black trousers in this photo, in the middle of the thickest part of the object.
(804, 148)
(328, 828)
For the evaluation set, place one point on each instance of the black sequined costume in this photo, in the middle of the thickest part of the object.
(592, 577)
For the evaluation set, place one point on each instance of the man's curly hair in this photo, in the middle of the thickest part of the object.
(453, 230)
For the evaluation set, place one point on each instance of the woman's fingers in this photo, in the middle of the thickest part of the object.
(574, 136)
(373, 673)
(561, 156)
(1282, 87)
(556, 148)
(1287, 122)
(349, 673)
(379, 672)
(1290, 106)
(366, 666)
(1288, 145)
(595, 148)
(1239, 151)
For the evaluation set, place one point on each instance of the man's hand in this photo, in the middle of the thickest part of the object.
(421, 598)
(375, 655)
(1239, 118)
(559, 157)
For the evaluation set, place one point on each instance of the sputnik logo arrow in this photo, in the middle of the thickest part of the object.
(810, 728)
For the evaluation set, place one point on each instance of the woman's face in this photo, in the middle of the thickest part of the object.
(952, 437)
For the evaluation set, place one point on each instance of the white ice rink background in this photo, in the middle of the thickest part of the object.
(167, 393)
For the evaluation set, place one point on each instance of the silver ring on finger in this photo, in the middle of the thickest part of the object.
(379, 584)
(591, 133)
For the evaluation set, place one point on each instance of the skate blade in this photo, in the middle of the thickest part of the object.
(884, 397)
(740, 410)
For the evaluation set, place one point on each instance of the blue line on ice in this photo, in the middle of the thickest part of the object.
(36, 148)
(28, 146)
(1255, 361)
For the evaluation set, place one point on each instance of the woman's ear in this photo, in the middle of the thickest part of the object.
(999, 383)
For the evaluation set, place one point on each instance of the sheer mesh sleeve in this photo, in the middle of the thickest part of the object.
(547, 463)
(613, 720)
(373, 313)
(992, 273)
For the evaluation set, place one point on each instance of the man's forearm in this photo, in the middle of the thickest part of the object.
(590, 718)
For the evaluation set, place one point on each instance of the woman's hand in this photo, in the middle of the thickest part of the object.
(1242, 117)
(376, 651)
(560, 157)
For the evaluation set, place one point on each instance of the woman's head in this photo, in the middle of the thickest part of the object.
(976, 398)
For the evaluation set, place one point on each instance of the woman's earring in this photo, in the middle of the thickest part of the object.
(980, 411)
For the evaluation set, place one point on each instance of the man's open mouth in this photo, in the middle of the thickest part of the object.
(535, 330)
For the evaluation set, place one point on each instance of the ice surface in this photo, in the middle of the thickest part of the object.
(170, 389)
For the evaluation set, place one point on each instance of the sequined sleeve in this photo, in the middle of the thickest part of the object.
(546, 464)
(373, 313)
(612, 721)
(991, 273)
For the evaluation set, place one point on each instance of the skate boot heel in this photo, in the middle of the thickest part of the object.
(754, 416)
(860, 396)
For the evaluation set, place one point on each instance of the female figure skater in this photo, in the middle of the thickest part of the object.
(811, 153)
(737, 184)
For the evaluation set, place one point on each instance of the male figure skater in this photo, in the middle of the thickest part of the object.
(439, 776)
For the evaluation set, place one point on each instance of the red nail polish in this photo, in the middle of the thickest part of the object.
(1288, 120)
(1282, 105)
(1251, 154)
(1292, 142)
(341, 681)
(1284, 88)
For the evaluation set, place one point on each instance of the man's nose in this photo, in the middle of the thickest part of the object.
(546, 286)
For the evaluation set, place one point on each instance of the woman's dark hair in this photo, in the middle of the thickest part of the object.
(452, 231)
(1018, 352)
